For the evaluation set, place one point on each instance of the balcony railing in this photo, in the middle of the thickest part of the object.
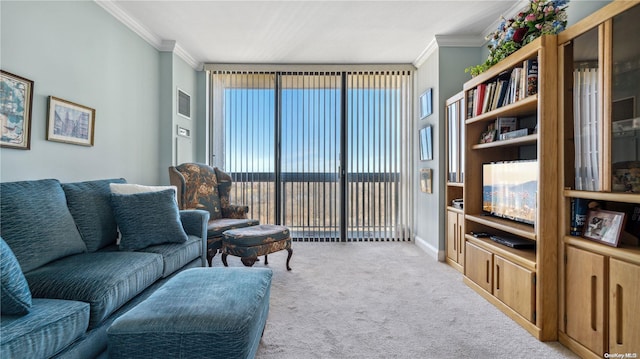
(311, 204)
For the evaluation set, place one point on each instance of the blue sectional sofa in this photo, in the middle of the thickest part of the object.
(64, 277)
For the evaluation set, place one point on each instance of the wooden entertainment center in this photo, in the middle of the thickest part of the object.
(584, 293)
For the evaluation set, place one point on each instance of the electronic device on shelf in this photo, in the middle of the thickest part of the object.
(514, 242)
(509, 189)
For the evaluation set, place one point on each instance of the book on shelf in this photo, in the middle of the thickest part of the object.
(530, 68)
(479, 98)
(470, 96)
(579, 207)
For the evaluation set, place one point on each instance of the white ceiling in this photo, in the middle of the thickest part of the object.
(303, 32)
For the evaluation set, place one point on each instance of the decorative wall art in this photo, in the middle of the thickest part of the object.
(426, 145)
(70, 122)
(16, 97)
(604, 226)
(425, 180)
(426, 107)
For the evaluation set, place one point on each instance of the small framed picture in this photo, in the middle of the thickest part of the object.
(425, 180)
(488, 136)
(70, 122)
(426, 106)
(16, 97)
(604, 226)
(426, 144)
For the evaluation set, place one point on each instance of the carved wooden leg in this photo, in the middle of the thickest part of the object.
(210, 255)
(265, 260)
(224, 259)
(248, 261)
(289, 257)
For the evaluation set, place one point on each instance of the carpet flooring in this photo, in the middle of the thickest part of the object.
(383, 300)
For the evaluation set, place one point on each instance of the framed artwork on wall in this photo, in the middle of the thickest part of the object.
(70, 122)
(426, 145)
(426, 105)
(16, 97)
(426, 180)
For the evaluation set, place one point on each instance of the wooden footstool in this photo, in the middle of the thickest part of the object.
(251, 242)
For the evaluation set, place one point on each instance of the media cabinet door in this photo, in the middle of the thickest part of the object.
(624, 307)
(514, 286)
(479, 266)
(585, 274)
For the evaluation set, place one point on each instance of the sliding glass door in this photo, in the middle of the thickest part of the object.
(324, 153)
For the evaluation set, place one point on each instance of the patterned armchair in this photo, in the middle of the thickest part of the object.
(207, 188)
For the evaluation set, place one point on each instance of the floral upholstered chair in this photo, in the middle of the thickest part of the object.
(207, 188)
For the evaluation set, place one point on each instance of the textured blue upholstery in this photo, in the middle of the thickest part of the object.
(36, 223)
(90, 205)
(174, 255)
(15, 294)
(49, 327)
(148, 218)
(105, 280)
(205, 313)
(194, 223)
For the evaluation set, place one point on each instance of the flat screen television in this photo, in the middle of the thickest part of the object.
(509, 190)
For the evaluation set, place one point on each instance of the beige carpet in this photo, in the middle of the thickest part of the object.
(383, 300)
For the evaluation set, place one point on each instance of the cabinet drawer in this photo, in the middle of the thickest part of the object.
(514, 286)
(479, 266)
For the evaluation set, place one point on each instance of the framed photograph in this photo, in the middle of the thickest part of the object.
(70, 122)
(184, 104)
(426, 105)
(604, 226)
(16, 98)
(488, 136)
(426, 145)
(425, 180)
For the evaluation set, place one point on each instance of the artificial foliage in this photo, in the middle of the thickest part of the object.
(539, 18)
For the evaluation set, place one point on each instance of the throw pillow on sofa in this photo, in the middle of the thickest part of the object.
(36, 223)
(16, 296)
(90, 205)
(147, 219)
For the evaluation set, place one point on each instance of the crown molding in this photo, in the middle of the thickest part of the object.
(424, 55)
(148, 36)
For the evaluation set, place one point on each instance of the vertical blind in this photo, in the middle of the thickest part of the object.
(281, 135)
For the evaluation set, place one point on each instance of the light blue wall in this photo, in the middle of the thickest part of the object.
(78, 52)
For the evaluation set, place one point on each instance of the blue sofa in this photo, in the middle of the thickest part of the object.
(64, 277)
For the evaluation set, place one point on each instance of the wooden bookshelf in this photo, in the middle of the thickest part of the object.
(524, 282)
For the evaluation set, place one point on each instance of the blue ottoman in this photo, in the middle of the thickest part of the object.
(199, 313)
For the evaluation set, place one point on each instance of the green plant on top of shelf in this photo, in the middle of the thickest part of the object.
(539, 18)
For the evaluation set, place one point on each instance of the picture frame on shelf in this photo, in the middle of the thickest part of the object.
(426, 103)
(488, 136)
(16, 99)
(426, 144)
(426, 182)
(69, 122)
(604, 226)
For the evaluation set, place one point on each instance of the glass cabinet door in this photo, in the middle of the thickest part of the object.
(625, 93)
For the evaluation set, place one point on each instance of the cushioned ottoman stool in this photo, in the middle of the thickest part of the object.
(199, 313)
(250, 242)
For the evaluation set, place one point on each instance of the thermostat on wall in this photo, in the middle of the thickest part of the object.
(184, 132)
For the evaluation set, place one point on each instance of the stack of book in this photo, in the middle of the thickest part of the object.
(506, 88)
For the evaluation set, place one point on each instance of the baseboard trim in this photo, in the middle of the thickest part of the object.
(432, 251)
